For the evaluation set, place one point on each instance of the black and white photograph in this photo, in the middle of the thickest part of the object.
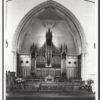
(50, 50)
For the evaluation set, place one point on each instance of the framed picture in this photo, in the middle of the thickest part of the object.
(50, 49)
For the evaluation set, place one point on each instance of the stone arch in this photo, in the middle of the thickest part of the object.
(18, 33)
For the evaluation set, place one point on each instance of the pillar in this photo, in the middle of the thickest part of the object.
(14, 62)
(83, 66)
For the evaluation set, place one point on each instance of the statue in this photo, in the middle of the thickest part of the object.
(49, 37)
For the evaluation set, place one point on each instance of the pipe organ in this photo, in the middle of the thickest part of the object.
(49, 60)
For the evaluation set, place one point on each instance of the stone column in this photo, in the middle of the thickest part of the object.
(83, 66)
(14, 62)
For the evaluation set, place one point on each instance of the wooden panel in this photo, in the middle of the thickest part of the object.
(48, 71)
(56, 60)
(25, 71)
(45, 72)
(52, 71)
(72, 72)
(24, 65)
(38, 72)
(33, 64)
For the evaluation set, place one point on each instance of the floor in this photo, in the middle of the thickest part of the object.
(51, 96)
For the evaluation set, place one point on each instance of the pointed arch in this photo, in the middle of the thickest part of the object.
(49, 3)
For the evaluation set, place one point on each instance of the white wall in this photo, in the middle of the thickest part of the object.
(84, 12)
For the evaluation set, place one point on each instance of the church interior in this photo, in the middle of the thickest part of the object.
(49, 53)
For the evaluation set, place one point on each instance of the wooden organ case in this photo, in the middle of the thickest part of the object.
(48, 60)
